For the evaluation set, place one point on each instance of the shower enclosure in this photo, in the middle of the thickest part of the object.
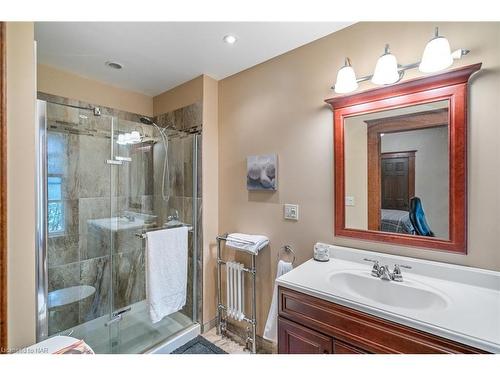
(105, 179)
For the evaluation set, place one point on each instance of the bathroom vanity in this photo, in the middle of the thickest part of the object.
(339, 307)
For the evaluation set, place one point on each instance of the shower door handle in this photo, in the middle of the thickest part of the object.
(123, 158)
(121, 312)
(114, 162)
(117, 316)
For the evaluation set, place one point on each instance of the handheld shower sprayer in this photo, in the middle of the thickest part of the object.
(166, 171)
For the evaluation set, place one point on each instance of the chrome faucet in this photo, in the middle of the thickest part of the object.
(173, 217)
(384, 272)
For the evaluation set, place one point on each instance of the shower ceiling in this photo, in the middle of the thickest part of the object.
(157, 56)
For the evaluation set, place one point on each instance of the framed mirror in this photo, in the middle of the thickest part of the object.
(401, 162)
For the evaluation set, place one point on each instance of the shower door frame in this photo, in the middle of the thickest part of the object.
(42, 285)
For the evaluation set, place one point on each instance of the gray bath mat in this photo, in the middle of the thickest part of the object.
(199, 345)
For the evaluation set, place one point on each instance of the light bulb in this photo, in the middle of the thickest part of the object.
(437, 55)
(346, 79)
(121, 139)
(386, 70)
(135, 137)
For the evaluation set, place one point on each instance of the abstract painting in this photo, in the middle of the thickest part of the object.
(262, 172)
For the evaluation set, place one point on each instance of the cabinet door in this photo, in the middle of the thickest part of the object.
(295, 339)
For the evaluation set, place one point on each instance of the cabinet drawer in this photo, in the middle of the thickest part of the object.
(366, 332)
(295, 339)
(340, 347)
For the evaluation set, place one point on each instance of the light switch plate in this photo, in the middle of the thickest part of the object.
(291, 211)
(349, 201)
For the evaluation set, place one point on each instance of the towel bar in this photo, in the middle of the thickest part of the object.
(222, 309)
(143, 235)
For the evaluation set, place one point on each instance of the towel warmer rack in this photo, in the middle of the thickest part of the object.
(222, 316)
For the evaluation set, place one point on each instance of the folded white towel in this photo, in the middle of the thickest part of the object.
(271, 328)
(166, 271)
(251, 243)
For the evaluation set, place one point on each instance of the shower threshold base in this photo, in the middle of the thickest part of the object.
(181, 338)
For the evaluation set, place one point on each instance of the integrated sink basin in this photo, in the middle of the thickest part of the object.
(407, 294)
(451, 301)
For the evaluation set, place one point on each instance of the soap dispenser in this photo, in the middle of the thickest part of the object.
(321, 252)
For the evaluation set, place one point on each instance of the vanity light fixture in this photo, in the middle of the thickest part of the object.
(229, 39)
(437, 56)
(386, 70)
(346, 78)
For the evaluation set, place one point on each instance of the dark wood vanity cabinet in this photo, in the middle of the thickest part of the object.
(309, 325)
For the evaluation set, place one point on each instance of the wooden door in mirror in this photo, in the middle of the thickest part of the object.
(400, 159)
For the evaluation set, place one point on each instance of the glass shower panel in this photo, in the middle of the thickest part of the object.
(78, 208)
(142, 202)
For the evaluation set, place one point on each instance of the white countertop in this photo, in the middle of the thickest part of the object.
(472, 312)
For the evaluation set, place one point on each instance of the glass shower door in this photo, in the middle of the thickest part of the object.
(76, 207)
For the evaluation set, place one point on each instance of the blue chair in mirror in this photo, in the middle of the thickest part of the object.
(417, 218)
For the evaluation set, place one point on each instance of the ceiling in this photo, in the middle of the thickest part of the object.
(157, 56)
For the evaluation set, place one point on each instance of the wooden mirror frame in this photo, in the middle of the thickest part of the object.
(451, 86)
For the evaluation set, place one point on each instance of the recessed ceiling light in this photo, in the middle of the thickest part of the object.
(114, 65)
(229, 39)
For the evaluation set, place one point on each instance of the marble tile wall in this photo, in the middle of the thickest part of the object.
(88, 254)
(187, 122)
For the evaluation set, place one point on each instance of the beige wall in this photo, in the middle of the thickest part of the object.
(21, 89)
(278, 107)
(210, 182)
(188, 93)
(356, 172)
(69, 85)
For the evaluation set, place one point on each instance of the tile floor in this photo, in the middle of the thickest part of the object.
(225, 343)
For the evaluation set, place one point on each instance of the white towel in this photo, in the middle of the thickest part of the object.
(166, 271)
(271, 328)
(251, 243)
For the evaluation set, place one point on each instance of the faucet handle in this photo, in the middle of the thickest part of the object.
(396, 274)
(404, 266)
(375, 268)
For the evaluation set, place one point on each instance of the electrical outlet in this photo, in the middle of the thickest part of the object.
(349, 201)
(291, 211)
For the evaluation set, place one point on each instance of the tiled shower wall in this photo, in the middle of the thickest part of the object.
(81, 255)
(187, 122)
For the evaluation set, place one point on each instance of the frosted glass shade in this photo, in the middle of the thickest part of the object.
(386, 70)
(346, 80)
(437, 56)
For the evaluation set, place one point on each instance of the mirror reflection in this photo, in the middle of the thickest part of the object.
(397, 170)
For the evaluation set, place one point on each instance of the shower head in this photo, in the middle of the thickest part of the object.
(146, 121)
